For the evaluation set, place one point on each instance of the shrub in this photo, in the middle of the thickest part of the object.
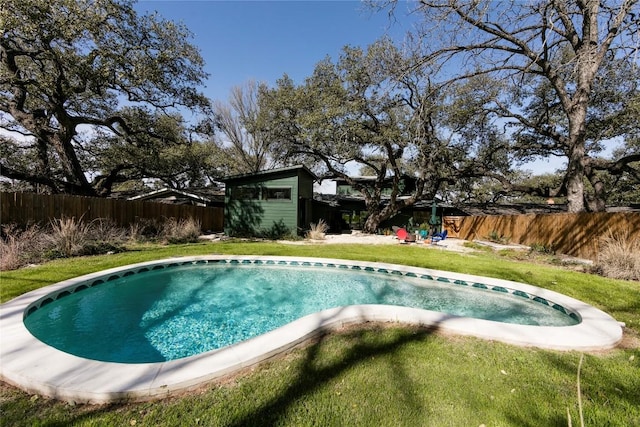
(9, 249)
(21, 247)
(291, 236)
(318, 231)
(105, 230)
(68, 236)
(542, 248)
(278, 231)
(9, 256)
(619, 256)
(145, 229)
(100, 248)
(496, 237)
(135, 232)
(180, 231)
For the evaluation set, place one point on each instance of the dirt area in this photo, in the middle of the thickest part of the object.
(451, 244)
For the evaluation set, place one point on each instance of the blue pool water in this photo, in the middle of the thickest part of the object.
(190, 309)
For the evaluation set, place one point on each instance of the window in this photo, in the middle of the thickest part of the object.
(246, 193)
(276, 193)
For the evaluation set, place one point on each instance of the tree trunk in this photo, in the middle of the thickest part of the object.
(377, 215)
(577, 114)
(575, 182)
(597, 203)
(372, 222)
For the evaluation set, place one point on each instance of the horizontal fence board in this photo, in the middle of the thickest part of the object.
(577, 235)
(31, 208)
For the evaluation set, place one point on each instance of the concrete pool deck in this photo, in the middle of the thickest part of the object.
(36, 367)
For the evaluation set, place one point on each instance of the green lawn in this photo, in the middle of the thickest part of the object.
(384, 375)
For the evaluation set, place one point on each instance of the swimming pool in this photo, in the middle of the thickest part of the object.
(35, 366)
(184, 309)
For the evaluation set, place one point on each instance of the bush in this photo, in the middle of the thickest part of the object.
(21, 247)
(619, 257)
(180, 231)
(318, 231)
(101, 248)
(278, 231)
(105, 230)
(496, 237)
(9, 254)
(68, 236)
(10, 250)
(144, 230)
(541, 248)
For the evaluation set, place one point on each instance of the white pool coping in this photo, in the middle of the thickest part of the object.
(31, 365)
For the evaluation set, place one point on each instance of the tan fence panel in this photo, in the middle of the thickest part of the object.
(26, 208)
(453, 225)
(577, 235)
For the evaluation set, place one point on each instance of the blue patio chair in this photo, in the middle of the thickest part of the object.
(437, 237)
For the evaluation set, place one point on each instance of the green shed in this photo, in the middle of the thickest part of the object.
(269, 203)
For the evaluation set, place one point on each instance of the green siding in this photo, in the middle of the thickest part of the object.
(267, 217)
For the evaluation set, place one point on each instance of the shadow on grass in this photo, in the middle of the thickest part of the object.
(608, 387)
(608, 390)
(313, 375)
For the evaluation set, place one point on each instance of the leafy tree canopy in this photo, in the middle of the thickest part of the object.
(372, 110)
(567, 73)
(80, 81)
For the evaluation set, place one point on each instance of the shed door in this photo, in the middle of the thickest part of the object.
(303, 213)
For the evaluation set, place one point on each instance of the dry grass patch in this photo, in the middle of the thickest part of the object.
(68, 237)
(20, 247)
(619, 256)
(181, 230)
(318, 231)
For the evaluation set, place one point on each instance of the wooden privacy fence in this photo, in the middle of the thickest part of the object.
(577, 235)
(25, 208)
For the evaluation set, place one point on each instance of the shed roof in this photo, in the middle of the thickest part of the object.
(267, 173)
(202, 196)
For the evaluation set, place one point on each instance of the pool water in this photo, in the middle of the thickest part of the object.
(190, 309)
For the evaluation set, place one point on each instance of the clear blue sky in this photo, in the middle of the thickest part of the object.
(262, 40)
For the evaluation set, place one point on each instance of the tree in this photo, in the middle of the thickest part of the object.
(69, 67)
(368, 110)
(246, 148)
(168, 151)
(611, 118)
(553, 54)
(610, 177)
(622, 179)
